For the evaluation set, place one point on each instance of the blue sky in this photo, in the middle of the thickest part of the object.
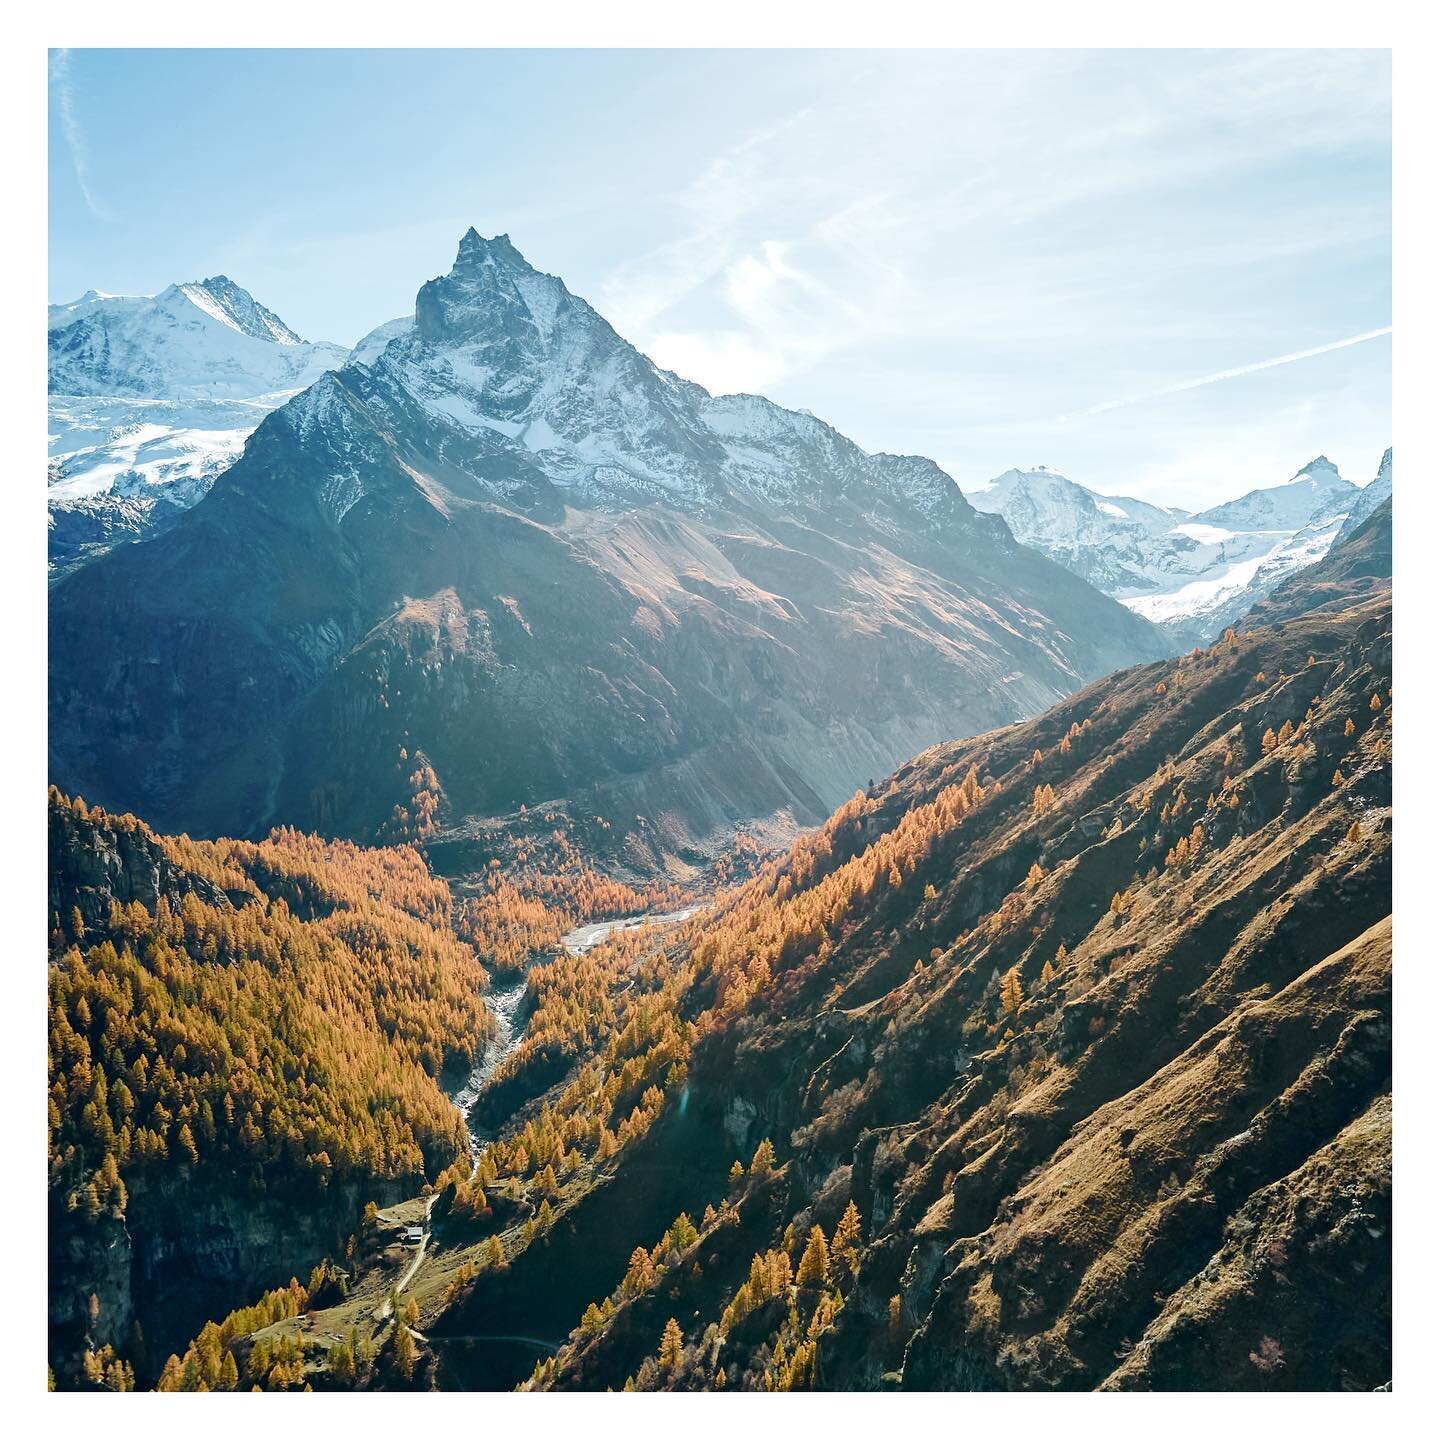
(992, 258)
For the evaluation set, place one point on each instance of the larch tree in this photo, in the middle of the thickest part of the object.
(1011, 993)
(815, 1262)
(404, 1349)
(845, 1247)
(672, 1345)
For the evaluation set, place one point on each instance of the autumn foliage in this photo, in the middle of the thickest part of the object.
(286, 1008)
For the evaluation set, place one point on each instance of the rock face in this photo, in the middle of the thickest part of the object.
(151, 397)
(93, 866)
(505, 539)
(1191, 574)
(188, 1250)
(1104, 1064)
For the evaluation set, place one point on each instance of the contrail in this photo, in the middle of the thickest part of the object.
(70, 128)
(1226, 374)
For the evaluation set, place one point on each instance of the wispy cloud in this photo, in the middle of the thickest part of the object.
(63, 89)
(714, 208)
(1220, 375)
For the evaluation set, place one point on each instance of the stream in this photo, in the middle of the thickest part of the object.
(505, 1000)
(586, 937)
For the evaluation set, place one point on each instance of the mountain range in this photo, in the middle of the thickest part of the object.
(500, 560)
(1192, 573)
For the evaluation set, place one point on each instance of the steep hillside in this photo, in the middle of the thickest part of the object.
(503, 561)
(1087, 1018)
(245, 1046)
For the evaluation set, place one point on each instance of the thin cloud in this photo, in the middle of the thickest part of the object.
(71, 129)
(716, 204)
(1220, 375)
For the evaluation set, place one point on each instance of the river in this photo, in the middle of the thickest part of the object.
(504, 1002)
(586, 937)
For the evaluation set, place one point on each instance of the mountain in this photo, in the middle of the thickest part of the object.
(504, 561)
(1107, 539)
(151, 397)
(209, 339)
(1070, 1042)
(1317, 489)
(1360, 564)
(1191, 574)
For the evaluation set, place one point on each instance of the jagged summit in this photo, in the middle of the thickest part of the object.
(1322, 466)
(536, 394)
(475, 249)
(490, 293)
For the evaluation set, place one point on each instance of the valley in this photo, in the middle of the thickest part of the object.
(1069, 1042)
(562, 880)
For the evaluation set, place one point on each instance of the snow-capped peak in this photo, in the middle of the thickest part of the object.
(538, 393)
(1320, 468)
(200, 339)
(1191, 573)
(1318, 488)
(1369, 500)
(222, 299)
(152, 396)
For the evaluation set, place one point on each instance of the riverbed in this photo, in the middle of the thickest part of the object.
(504, 1003)
(586, 937)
